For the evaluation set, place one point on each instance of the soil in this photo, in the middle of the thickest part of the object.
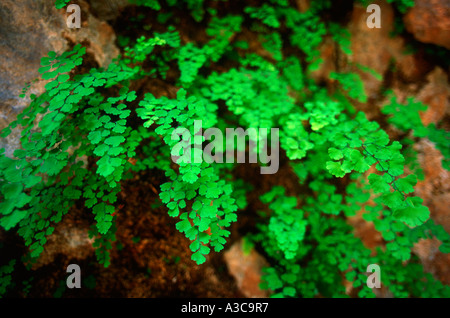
(149, 259)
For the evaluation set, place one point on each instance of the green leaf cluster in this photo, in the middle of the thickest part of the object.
(79, 136)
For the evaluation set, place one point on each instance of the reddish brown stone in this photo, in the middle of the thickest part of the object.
(328, 56)
(429, 21)
(413, 67)
(435, 191)
(98, 35)
(373, 48)
(436, 95)
(246, 269)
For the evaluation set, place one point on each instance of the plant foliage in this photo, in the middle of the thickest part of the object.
(77, 139)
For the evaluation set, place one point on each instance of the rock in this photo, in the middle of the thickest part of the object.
(328, 55)
(29, 30)
(412, 67)
(107, 9)
(435, 191)
(70, 239)
(97, 34)
(373, 48)
(376, 49)
(433, 91)
(302, 5)
(366, 231)
(429, 21)
(433, 260)
(246, 269)
(435, 94)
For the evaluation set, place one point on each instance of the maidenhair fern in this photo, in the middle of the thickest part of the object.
(82, 137)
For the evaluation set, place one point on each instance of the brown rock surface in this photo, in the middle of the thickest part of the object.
(246, 269)
(433, 90)
(328, 55)
(429, 21)
(97, 35)
(373, 48)
(435, 94)
(415, 77)
(28, 31)
(413, 67)
(433, 260)
(107, 9)
(302, 5)
(435, 189)
(378, 50)
(70, 240)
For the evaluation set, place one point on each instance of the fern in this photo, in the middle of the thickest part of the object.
(212, 207)
(5, 276)
(265, 13)
(352, 84)
(90, 131)
(287, 225)
(407, 118)
(59, 4)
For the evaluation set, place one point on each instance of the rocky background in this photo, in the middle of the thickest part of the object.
(152, 258)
